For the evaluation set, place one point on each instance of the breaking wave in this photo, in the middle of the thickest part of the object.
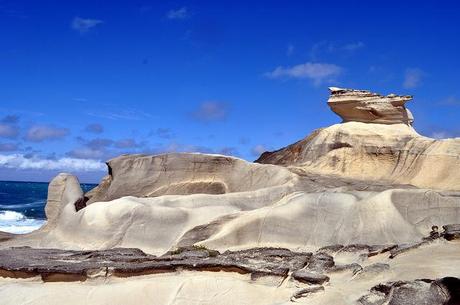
(18, 223)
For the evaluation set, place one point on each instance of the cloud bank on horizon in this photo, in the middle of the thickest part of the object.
(92, 82)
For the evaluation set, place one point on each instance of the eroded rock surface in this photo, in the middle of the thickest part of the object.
(62, 265)
(375, 142)
(368, 107)
(391, 154)
(445, 291)
(367, 196)
(184, 174)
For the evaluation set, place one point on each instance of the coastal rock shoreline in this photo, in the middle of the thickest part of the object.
(362, 212)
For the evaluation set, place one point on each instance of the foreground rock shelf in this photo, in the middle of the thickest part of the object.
(69, 265)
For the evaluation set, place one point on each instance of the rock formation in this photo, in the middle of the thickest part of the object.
(392, 153)
(349, 215)
(184, 174)
(368, 107)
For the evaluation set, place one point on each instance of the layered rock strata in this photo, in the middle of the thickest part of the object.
(368, 107)
(371, 150)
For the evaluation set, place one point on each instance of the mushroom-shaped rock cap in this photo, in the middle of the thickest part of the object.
(368, 107)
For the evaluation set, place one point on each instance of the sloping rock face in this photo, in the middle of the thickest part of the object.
(368, 107)
(394, 153)
(184, 174)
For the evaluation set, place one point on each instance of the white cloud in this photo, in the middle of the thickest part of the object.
(84, 25)
(40, 133)
(18, 161)
(180, 13)
(317, 72)
(412, 78)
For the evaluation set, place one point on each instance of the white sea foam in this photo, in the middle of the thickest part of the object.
(15, 222)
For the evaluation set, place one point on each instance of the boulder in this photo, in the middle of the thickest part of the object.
(310, 277)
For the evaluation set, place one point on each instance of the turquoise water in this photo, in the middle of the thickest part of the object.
(22, 205)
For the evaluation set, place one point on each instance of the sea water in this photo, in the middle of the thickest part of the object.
(22, 205)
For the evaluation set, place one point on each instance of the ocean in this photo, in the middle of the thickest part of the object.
(22, 205)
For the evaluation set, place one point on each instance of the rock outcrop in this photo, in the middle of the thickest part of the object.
(64, 188)
(125, 262)
(353, 208)
(373, 150)
(184, 174)
(368, 107)
(445, 291)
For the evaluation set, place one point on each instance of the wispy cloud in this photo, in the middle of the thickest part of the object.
(290, 49)
(180, 13)
(440, 135)
(126, 114)
(244, 140)
(211, 111)
(257, 150)
(19, 161)
(413, 78)
(316, 72)
(104, 148)
(40, 133)
(9, 146)
(228, 151)
(450, 101)
(8, 131)
(351, 47)
(94, 128)
(164, 133)
(8, 127)
(329, 47)
(128, 143)
(87, 153)
(84, 25)
(10, 119)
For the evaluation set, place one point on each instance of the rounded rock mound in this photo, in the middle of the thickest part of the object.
(184, 174)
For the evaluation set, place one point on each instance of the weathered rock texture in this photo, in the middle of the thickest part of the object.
(445, 291)
(374, 152)
(369, 193)
(64, 188)
(380, 148)
(67, 265)
(368, 107)
(184, 174)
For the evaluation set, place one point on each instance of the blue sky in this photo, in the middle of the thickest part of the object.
(83, 81)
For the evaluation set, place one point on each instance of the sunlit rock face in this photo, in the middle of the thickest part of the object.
(368, 107)
(375, 142)
(354, 213)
